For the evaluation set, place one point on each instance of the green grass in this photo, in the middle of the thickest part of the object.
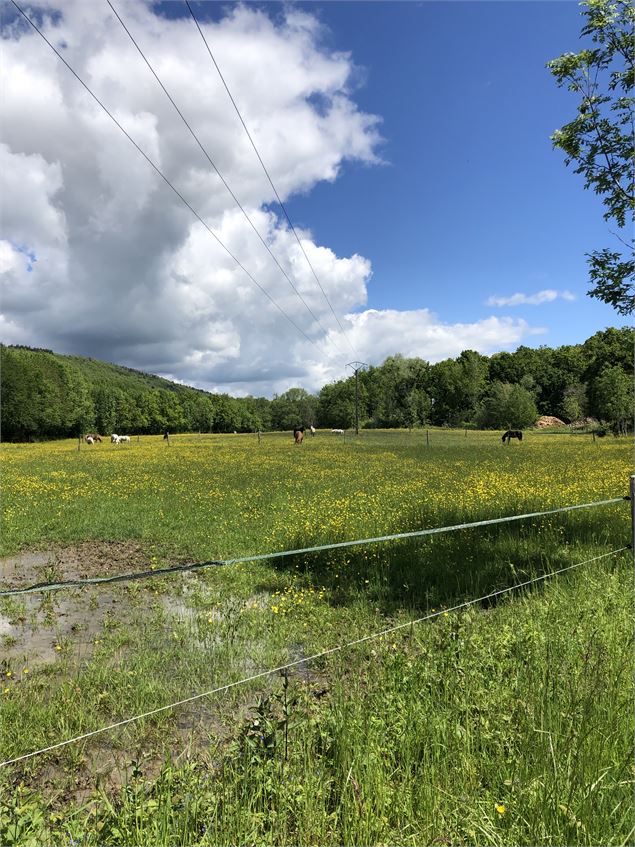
(415, 738)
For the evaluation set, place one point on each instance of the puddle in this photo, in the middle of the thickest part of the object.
(23, 568)
(31, 629)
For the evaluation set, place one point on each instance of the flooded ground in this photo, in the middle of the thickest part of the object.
(35, 628)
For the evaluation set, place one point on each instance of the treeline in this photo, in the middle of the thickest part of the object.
(46, 395)
(572, 382)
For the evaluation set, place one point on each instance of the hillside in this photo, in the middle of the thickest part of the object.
(48, 395)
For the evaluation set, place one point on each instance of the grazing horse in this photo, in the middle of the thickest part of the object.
(114, 438)
(298, 434)
(337, 431)
(512, 433)
(89, 439)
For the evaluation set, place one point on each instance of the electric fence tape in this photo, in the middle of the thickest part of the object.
(260, 557)
(296, 662)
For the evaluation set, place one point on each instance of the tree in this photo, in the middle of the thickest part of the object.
(505, 405)
(599, 140)
(573, 403)
(293, 408)
(457, 385)
(613, 397)
(336, 406)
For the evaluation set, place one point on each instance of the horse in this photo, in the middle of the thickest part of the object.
(337, 432)
(312, 429)
(298, 434)
(512, 433)
(89, 439)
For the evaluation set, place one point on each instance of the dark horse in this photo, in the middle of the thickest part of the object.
(512, 433)
(298, 434)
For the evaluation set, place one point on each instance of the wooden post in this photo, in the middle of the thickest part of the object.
(632, 493)
(138, 439)
(259, 436)
(79, 443)
(427, 438)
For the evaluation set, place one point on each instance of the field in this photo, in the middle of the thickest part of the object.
(508, 721)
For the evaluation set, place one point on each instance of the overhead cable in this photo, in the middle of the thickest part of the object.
(214, 166)
(164, 178)
(275, 191)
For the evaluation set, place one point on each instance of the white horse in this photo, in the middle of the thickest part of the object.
(114, 438)
(124, 439)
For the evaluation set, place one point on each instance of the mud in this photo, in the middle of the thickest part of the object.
(79, 561)
(33, 627)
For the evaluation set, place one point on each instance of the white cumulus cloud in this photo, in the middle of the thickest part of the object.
(99, 257)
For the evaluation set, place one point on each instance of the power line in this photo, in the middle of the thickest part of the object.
(214, 166)
(260, 557)
(356, 368)
(327, 652)
(164, 178)
(275, 191)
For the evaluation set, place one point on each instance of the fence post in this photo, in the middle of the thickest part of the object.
(79, 443)
(632, 493)
(427, 438)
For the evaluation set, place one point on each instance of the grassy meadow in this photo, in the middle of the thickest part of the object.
(506, 722)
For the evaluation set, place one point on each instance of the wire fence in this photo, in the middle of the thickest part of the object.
(43, 587)
(295, 663)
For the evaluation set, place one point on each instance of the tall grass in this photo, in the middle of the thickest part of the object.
(505, 723)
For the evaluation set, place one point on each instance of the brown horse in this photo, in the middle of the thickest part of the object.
(298, 434)
(512, 433)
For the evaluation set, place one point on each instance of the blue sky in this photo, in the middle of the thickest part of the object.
(474, 201)
(415, 234)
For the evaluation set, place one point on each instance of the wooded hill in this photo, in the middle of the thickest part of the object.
(48, 395)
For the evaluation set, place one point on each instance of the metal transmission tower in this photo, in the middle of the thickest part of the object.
(356, 367)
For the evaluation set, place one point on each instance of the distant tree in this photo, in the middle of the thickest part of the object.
(605, 348)
(573, 405)
(227, 416)
(296, 406)
(457, 385)
(612, 393)
(336, 404)
(505, 405)
(77, 407)
(599, 140)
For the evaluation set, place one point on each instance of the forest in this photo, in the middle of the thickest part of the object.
(48, 395)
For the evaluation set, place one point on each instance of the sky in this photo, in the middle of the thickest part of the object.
(409, 141)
